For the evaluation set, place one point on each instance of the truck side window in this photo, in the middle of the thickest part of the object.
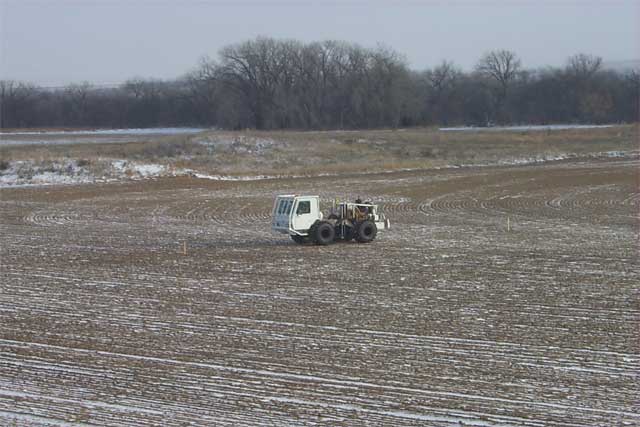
(281, 206)
(289, 205)
(303, 208)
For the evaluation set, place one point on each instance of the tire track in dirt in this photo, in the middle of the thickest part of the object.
(444, 320)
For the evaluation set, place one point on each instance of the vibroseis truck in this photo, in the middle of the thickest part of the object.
(301, 218)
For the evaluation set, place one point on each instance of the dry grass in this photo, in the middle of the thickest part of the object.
(164, 147)
(297, 152)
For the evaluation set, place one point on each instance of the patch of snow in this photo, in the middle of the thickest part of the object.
(147, 170)
(56, 178)
(33, 173)
(30, 173)
(614, 154)
(462, 418)
(100, 136)
(521, 128)
(548, 158)
(332, 381)
(119, 165)
(84, 402)
(239, 144)
(233, 178)
(19, 418)
(134, 131)
(135, 169)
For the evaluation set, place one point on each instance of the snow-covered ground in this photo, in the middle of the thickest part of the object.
(89, 136)
(521, 128)
(133, 131)
(240, 144)
(68, 171)
(20, 173)
(32, 173)
(498, 297)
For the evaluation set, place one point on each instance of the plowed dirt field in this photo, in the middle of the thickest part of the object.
(501, 296)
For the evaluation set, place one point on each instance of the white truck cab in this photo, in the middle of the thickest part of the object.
(294, 215)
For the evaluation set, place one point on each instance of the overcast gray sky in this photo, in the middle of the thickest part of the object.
(58, 42)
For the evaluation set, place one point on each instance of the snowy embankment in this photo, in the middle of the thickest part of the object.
(32, 173)
(28, 172)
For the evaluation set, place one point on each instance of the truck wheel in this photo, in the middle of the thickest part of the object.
(324, 233)
(348, 232)
(299, 239)
(366, 231)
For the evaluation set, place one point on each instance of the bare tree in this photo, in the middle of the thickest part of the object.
(203, 85)
(78, 96)
(15, 100)
(252, 70)
(442, 76)
(633, 80)
(146, 100)
(583, 66)
(500, 65)
(441, 83)
(389, 76)
(584, 96)
(341, 88)
(311, 67)
(286, 103)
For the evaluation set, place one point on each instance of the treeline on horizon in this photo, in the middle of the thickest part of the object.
(286, 84)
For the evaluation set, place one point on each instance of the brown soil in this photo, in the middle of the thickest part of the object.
(447, 318)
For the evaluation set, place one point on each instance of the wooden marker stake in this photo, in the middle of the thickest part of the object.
(184, 248)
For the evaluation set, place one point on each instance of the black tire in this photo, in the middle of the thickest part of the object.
(324, 233)
(301, 240)
(349, 232)
(366, 231)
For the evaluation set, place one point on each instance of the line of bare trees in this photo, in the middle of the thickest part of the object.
(279, 84)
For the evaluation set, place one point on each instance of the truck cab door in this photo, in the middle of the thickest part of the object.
(305, 213)
(282, 214)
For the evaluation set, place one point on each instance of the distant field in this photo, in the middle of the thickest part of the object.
(89, 157)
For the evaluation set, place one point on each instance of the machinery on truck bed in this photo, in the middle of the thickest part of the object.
(301, 218)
